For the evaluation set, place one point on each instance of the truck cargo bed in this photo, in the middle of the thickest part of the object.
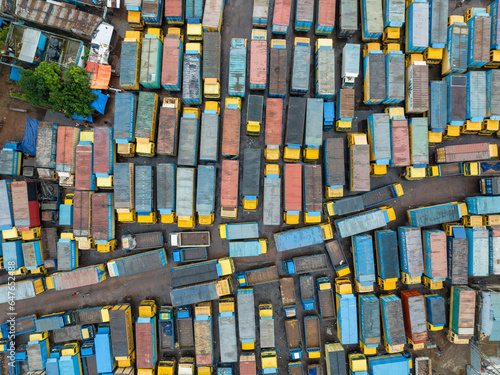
(377, 196)
(194, 274)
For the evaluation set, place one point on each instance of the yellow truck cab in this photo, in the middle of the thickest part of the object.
(434, 138)
(489, 125)
(204, 370)
(470, 127)
(391, 35)
(472, 220)
(370, 47)
(272, 153)
(135, 20)
(146, 146)
(265, 310)
(412, 173)
(291, 154)
(271, 170)
(11, 234)
(357, 363)
(490, 220)
(70, 349)
(194, 30)
(147, 309)
(494, 59)
(343, 285)
(32, 234)
(186, 366)
(166, 366)
(211, 88)
(269, 361)
(451, 132)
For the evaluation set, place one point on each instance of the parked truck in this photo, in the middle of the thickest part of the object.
(412, 264)
(345, 109)
(251, 173)
(438, 106)
(194, 14)
(67, 253)
(379, 141)
(257, 276)
(417, 84)
(144, 195)
(337, 258)
(455, 53)
(227, 331)
(146, 336)
(191, 74)
(392, 323)
(306, 283)
(359, 162)
(305, 264)
(23, 325)
(325, 297)
(480, 26)
(201, 272)
(417, 27)
(467, 152)
(294, 134)
(151, 52)
(122, 335)
(272, 212)
(462, 314)
(369, 323)
(246, 248)
(386, 246)
(364, 221)
(124, 124)
(476, 102)
(307, 236)
(333, 155)
(38, 351)
(400, 140)
(278, 68)
(205, 194)
(313, 130)
(438, 214)
(260, 13)
(146, 123)
(483, 205)
(435, 312)
(246, 318)
(294, 338)
(166, 328)
(281, 17)
(201, 292)
(185, 334)
(77, 278)
(190, 239)
(237, 67)
(104, 157)
(438, 13)
(184, 198)
(247, 364)
(212, 15)
(142, 241)
(168, 125)
(229, 189)
(325, 20)
(103, 222)
(84, 174)
(457, 255)
(299, 83)
(209, 133)
(124, 193)
(239, 231)
(165, 192)
(414, 318)
(287, 289)
(130, 60)
(374, 73)
(211, 64)
(105, 362)
(292, 205)
(372, 24)
(274, 129)
(364, 263)
(133, 264)
(258, 60)
(231, 127)
(203, 342)
(394, 73)
(67, 139)
(478, 251)
(46, 143)
(172, 59)
(312, 194)
(266, 325)
(313, 341)
(491, 124)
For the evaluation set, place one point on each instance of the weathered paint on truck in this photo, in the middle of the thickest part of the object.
(386, 245)
(292, 205)
(438, 18)
(364, 221)
(379, 138)
(205, 194)
(229, 188)
(124, 192)
(417, 87)
(174, 12)
(364, 262)
(203, 341)
(412, 263)
(278, 68)
(272, 213)
(301, 67)
(374, 76)
(345, 109)
(333, 156)
(392, 323)
(168, 127)
(134, 264)
(191, 75)
(104, 150)
(130, 61)
(466, 152)
(255, 106)
(146, 123)
(417, 26)
(166, 328)
(294, 135)
(419, 142)
(24, 289)
(227, 331)
(457, 252)
(250, 184)
(305, 264)
(350, 64)
(394, 13)
(67, 139)
(359, 166)
(82, 218)
(479, 39)
(185, 335)
(414, 318)
(304, 15)
(288, 299)
(212, 15)
(84, 173)
(172, 62)
(478, 249)
(312, 336)
(209, 133)
(325, 17)
(326, 300)
(348, 23)
(184, 197)
(369, 323)
(237, 67)
(273, 129)
(438, 106)
(307, 236)
(258, 276)
(146, 342)
(246, 318)
(151, 57)
(435, 266)
(462, 314)
(45, 159)
(231, 127)
(476, 98)
(25, 205)
(372, 20)
(281, 16)
(260, 13)
(144, 194)
(394, 77)
(189, 137)
(211, 64)
(201, 292)
(455, 52)
(438, 214)
(312, 194)
(435, 312)
(457, 97)
(124, 123)
(122, 335)
(77, 278)
(258, 60)
(313, 137)
(337, 258)
(103, 222)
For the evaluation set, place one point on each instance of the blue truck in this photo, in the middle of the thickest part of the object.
(410, 246)
(306, 283)
(369, 323)
(70, 362)
(435, 312)
(386, 246)
(239, 231)
(479, 38)
(417, 26)
(38, 352)
(247, 248)
(305, 264)
(13, 256)
(307, 236)
(237, 67)
(483, 205)
(439, 214)
(49, 322)
(438, 106)
(455, 53)
(190, 254)
(104, 359)
(124, 122)
(347, 314)
(392, 323)
(22, 325)
(364, 221)
(479, 257)
(390, 364)
(364, 262)
(476, 98)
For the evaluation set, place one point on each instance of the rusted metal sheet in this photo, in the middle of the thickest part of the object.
(274, 121)
(104, 152)
(293, 187)
(167, 127)
(229, 184)
(67, 138)
(400, 143)
(81, 214)
(231, 132)
(83, 175)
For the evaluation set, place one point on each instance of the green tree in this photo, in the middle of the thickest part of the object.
(38, 84)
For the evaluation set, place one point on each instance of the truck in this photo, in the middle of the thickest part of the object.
(211, 65)
(325, 297)
(313, 130)
(174, 12)
(334, 169)
(142, 241)
(278, 66)
(400, 142)
(184, 199)
(374, 89)
(364, 221)
(325, 17)
(392, 323)
(239, 231)
(478, 239)
(77, 278)
(299, 84)
(144, 195)
(394, 75)
(146, 123)
(194, 14)
(146, 336)
(247, 364)
(411, 260)
(23, 325)
(172, 60)
(212, 15)
(457, 93)
(229, 189)
(91, 315)
(350, 65)
(191, 75)
(166, 328)
(294, 129)
(269, 361)
(151, 13)
(103, 222)
(165, 192)
(133, 264)
(394, 363)
(33, 256)
(287, 289)
(168, 125)
(237, 67)
(151, 54)
(130, 60)
(272, 196)
(205, 194)
(438, 106)
(266, 326)
(122, 335)
(369, 323)
(84, 174)
(483, 205)
(386, 248)
(335, 359)
(435, 312)
(359, 162)
(185, 333)
(247, 248)
(257, 276)
(209, 133)
(258, 60)
(72, 333)
(11, 161)
(466, 152)
(305, 264)
(49, 322)
(260, 13)
(124, 123)
(476, 102)
(294, 338)
(492, 123)
(348, 19)
(345, 109)
(379, 140)
(7, 216)
(480, 24)
(67, 254)
(292, 193)
(46, 146)
(364, 262)
(417, 84)
(462, 314)
(419, 142)
(490, 186)
(24, 289)
(190, 239)
(250, 189)
(231, 127)
(306, 283)
(38, 351)
(281, 17)
(254, 114)
(313, 341)
(201, 292)
(455, 52)
(414, 318)
(196, 273)
(246, 318)
(227, 331)
(417, 27)
(312, 194)
(302, 237)
(337, 258)
(13, 257)
(453, 169)
(104, 150)
(203, 342)
(304, 15)
(274, 129)
(67, 139)
(324, 69)
(438, 13)
(295, 368)
(372, 21)
(457, 255)
(104, 360)
(438, 214)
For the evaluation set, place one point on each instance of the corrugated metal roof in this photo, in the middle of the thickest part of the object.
(29, 45)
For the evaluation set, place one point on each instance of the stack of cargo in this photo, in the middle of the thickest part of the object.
(104, 158)
(130, 60)
(146, 123)
(400, 140)
(124, 192)
(325, 69)
(438, 17)
(191, 75)
(294, 135)
(229, 189)
(278, 68)
(417, 26)
(274, 128)
(168, 127)
(369, 323)
(188, 137)
(438, 107)
(103, 222)
(417, 83)
(374, 89)
(237, 67)
(211, 64)
(455, 52)
(435, 266)
(205, 194)
(364, 263)
(260, 13)
(394, 75)
(144, 197)
(209, 133)
(478, 249)
(124, 123)
(372, 20)
(410, 245)
(292, 204)
(392, 323)
(457, 250)
(231, 127)
(325, 21)
(479, 24)
(462, 314)
(258, 60)
(165, 192)
(45, 160)
(172, 59)
(386, 244)
(379, 140)
(414, 318)
(151, 53)
(281, 16)
(184, 198)
(67, 139)
(333, 159)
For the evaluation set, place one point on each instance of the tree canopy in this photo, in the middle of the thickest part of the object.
(67, 91)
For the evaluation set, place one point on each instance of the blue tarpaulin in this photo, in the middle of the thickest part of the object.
(28, 145)
(15, 73)
(99, 105)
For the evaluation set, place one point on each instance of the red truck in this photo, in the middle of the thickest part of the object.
(293, 193)
(229, 189)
